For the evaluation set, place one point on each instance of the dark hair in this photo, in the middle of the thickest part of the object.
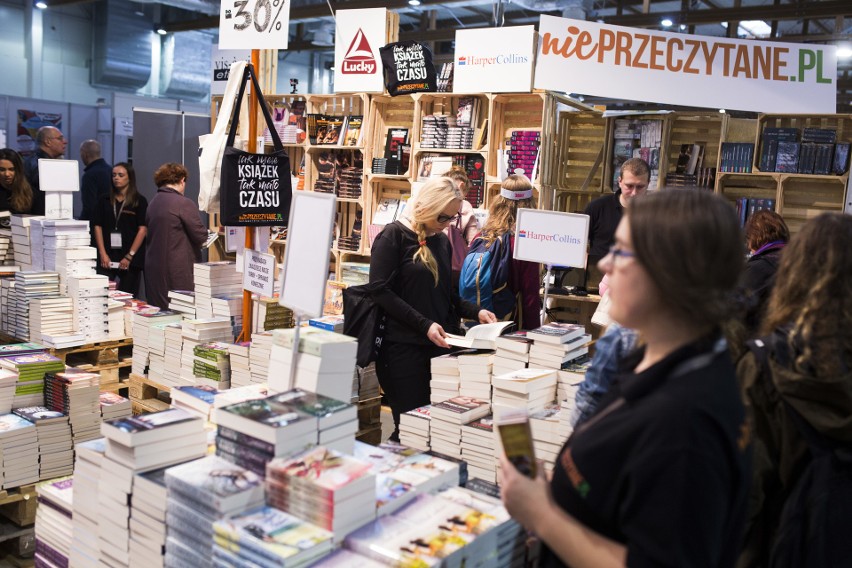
(21, 199)
(170, 173)
(636, 166)
(765, 227)
(813, 294)
(131, 197)
(691, 245)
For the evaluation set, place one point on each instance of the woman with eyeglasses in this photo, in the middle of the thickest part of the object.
(16, 195)
(412, 257)
(659, 475)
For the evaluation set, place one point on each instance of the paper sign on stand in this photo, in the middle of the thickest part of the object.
(254, 24)
(357, 61)
(233, 237)
(58, 179)
(259, 273)
(494, 60)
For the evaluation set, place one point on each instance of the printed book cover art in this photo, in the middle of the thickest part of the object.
(424, 412)
(37, 414)
(112, 399)
(311, 403)
(31, 359)
(485, 424)
(11, 422)
(461, 404)
(265, 412)
(20, 348)
(151, 421)
(427, 465)
(326, 468)
(216, 476)
(274, 531)
(353, 130)
(205, 393)
(390, 489)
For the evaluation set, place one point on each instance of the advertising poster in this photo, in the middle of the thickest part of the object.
(29, 121)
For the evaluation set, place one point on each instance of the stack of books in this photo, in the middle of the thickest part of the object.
(523, 152)
(266, 536)
(77, 395)
(7, 249)
(157, 352)
(61, 233)
(143, 320)
(329, 323)
(8, 379)
(447, 419)
(365, 383)
(72, 262)
(115, 319)
(253, 432)
(547, 440)
(19, 450)
(52, 321)
(148, 519)
(194, 333)
(530, 388)
(555, 344)
(259, 355)
(240, 364)
(8, 297)
(174, 353)
(444, 380)
(337, 421)
(31, 286)
(114, 406)
(569, 378)
(182, 301)
(56, 452)
(213, 279)
(21, 239)
(229, 305)
(195, 399)
(324, 365)
(237, 395)
(475, 373)
(414, 428)
(31, 369)
(394, 487)
(85, 549)
(53, 527)
(513, 352)
(479, 449)
(211, 365)
(268, 314)
(201, 492)
(90, 295)
(135, 445)
(37, 244)
(324, 487)
(434, 130)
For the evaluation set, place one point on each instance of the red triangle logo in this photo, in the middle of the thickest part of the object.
(359, 58)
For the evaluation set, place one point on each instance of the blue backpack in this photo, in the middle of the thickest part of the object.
(485, 276)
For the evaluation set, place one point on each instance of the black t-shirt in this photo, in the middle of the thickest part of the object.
(414, 302)
(129, 221)
(666, 470)
(604, 215)
(408, 68)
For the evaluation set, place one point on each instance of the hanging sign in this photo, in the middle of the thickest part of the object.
(259, 273)
(408, 68)
(494, 60)
(551, 237)
(254, 24)
(637, 64)
(357, 62)
(220, 62)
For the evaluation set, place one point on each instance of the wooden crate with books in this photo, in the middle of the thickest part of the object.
(579, 157)
(111, 359)
(515, 128)
(693, 145)
(393, 127)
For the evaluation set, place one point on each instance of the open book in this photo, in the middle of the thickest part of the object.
(480, 336)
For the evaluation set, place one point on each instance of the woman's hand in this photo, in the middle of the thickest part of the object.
(487, 317)
(105, 260)
(436, 335)
(525, 499)
(124, 264)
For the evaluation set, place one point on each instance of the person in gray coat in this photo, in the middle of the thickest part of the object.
(175, 237)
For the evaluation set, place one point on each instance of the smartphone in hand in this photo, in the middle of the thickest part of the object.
(516, 437)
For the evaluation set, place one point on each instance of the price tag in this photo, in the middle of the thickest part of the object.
(254, 24)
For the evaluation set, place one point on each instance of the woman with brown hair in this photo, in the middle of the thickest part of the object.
(175, 237)
(766, 235)
(659, 475)
(16, 195)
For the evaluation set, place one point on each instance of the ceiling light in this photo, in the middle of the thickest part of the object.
(683, 27)
(755, 28)
(722, 111)
(413, 2)
(161, 30)
(667, 22)
(41, 5)
(844, 51)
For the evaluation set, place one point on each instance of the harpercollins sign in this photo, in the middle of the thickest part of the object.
(494, 60)
(551, 237)
(613, 61)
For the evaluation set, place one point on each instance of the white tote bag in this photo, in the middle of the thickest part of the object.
(212, 146)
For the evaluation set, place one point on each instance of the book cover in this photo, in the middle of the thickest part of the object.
(396, 138)
(352, 137)
(141, 424)
(217, 482)
(274, 532)
(40, 414)
(516, 438)
(204, 393)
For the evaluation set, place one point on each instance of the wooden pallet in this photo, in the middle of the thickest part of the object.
(369, 412)
(147, 395)
(19, 504)
(371, 435)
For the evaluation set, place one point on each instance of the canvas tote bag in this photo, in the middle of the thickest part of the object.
(256, 189)
(212, 146)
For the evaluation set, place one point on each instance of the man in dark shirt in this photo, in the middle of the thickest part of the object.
(605, 212)
(97, 177)
(51, 144)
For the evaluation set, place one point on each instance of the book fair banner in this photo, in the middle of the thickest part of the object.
(494, 60)
(576, 56)
(357, 61)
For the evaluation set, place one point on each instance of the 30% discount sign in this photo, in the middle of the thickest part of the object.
(254, 24)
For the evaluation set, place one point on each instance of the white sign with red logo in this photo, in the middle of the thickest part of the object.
(637, 64)
(494, 60)
(551, 237)
(357, 62)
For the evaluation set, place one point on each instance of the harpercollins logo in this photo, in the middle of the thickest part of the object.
(554, 238)
(503, 59)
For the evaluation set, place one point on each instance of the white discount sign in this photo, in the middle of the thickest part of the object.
(254, 24)
(259, 273)
(551, 237)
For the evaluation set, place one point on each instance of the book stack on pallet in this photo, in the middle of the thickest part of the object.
(201, 492)
(31, 286)
(62, 233)
(336, 421)
(30, 370)
(324, 365)
(479, 448)
(8, 379)
(196, 332)
(90, 296)
(85, 549)
(213, 279)
(529, 388)
(148, 519)
(415, 428)
(260, 353)
(19, 451)
(157, 352)
(182, 301)
(240, 364)
(53, 527)
(266, 536)
(135, 445)
(202, 399)
(72, 262)
(114, 406)
(230, 306)
(268, 314)
(21, 239)
(115, 319)
(52, 323)
(475, 367)
(77, 395)
(330, 489)
(174, 352)
(447, 419)
(211, 365)
(143, 320)
(55, 449)
(445, 378)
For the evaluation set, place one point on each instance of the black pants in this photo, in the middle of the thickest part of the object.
(404, 372)
(127, 280)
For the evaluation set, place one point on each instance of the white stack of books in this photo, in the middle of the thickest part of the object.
(237, 395)
(174, 351)
(157, 352)
(182, 301)
(530, 388)
(547, 440)
(114, 406)
(229, 305)
(143, 321)
(85, 549)
(8, 378)
(90, 298)
(444, 381)
(475, 373)
(479, 449)
(75, 261)
(513, 352)
(329, 489)
(200, 493)
(266, 536)
(8, 298)
(37, 244)
(555, 344)
(115, 319)
(240, 364)
(31, 286)
(148, 519)
(52, 318)
(260, 353)
(77, 395)
(55, 449)
(19, 449)
(61, 233)
(30, 382)
(212, 365)
(324, 365)
(53, 531)
(337, 421)
(21, 239)
(428, 473)
(213, 279)
(414, 428)
(570, 377)
(447, 419)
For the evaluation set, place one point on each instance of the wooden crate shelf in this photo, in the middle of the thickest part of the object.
(692, 128)
(581, 146)
(385, 113)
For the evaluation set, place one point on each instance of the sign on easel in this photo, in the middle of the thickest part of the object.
(259, 273)
(254, 24)
(551, 237)
(58, 179)
(306, 258)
